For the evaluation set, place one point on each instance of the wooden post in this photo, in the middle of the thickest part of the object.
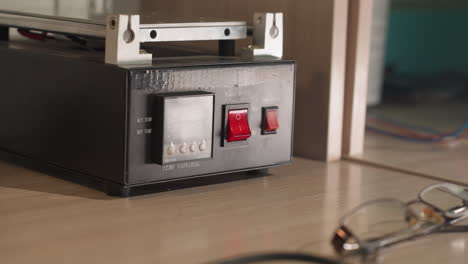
(357, 69)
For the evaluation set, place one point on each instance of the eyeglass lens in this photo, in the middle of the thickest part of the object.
(378, 219)
(444, 200)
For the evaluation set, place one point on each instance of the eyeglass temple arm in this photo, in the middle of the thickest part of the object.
(454, 229)
(450, 188)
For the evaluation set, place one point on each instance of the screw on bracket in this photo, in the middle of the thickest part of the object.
(267, 36)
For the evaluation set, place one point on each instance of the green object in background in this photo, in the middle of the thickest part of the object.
(422, 41)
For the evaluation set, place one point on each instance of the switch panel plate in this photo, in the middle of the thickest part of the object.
(183, 127)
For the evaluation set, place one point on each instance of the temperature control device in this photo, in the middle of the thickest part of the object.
(129, 123)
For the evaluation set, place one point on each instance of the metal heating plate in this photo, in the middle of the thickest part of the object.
(89, 19)
(125, 26)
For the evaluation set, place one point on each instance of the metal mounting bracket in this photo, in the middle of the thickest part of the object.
(124, 35)
(123, 41)
(267, 35)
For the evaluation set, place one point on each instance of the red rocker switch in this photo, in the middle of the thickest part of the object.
(238, 125)
(270, 120)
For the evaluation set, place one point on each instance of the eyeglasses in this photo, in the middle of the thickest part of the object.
(383, 222)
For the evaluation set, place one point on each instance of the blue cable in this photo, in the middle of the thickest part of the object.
(387, 133)
(405, 125)
(454, 134)
(426, 140)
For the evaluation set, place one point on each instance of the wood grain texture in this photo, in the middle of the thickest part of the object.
(357, 69)
(315, 36)
(336, 91)
(48, 220)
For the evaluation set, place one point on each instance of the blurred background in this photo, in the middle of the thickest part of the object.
(417, 116)
(419, 52)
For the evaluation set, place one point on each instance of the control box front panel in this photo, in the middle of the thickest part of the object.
(182, 127)
(191, 121)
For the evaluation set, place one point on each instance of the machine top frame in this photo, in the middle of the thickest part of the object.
(126, 24)
(94, 25)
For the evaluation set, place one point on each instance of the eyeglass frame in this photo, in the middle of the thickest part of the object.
(343, 235)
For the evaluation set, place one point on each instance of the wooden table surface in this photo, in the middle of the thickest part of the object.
(448, 163)
(297, 207)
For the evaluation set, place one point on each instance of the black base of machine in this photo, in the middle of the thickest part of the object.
(119, 190)
(129, 130)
